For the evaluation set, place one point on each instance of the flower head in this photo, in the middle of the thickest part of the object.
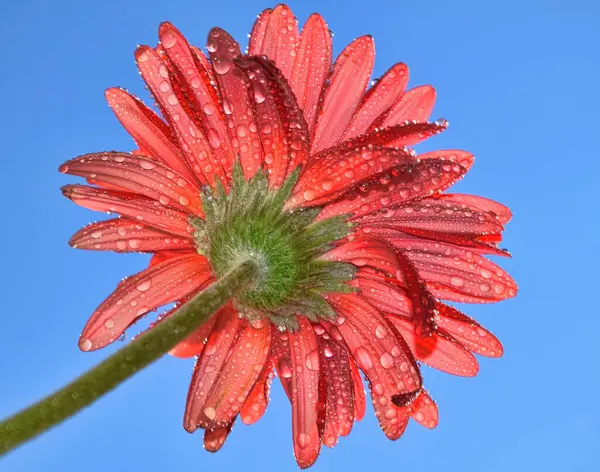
(279, 157)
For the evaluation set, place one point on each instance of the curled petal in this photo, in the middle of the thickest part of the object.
(256, 404)
(387, 298)
(215, 438)
(135, 207)
(311, 67)
(341, 97)
(138, 175)
(194, 344)
(138, 295)
(366, 252)
(424, 410)
(125, 235)
(360, 398)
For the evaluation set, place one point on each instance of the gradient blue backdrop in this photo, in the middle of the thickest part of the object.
(518, 81)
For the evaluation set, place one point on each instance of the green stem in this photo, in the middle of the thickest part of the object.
(141, 352)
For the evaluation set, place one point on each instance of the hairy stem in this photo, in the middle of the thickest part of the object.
(140, 353)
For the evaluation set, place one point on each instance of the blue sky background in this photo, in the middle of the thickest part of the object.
(518, 81)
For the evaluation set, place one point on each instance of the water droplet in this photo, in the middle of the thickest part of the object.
(363, 358)
(210, 412)
(309, 195)
(303, 440)
(86, 345)
(144, 286)
(386, 360)
(109, 323)
(213, 139)
(457, 281)
(312, 360)
(221, 66)
(380, 332)
(147, 165)
(96, 234)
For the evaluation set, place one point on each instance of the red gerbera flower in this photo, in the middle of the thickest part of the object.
(280, 157)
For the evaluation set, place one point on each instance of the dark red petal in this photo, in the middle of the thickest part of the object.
(416, 104)
(281, 126)
(237, 100)
(125, 235)
(215, 438)
(311, 67)
(144, 292)
(424, 410)
(241, 370)
(136, 207)
(208, 369)
(149, 131)
(360, 399)
(257, 36)
(479, 203)
(343, 168)
(444, 352)
(378, 100)
(194, 344)
(455, 273)
(305, 394)
(344, 91)
(468, 332)
(402, 184)
(382, 355)
(339, 406)
(139, 175)
(256, 404)
(190, 137)
(202, 95)
(278, 38)
(366, 252)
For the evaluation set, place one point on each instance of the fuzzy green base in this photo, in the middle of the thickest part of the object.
(249, 223)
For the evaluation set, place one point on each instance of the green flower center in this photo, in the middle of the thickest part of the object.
(249, 223)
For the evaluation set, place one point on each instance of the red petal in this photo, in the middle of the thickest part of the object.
(482, 204)
(305, 394)
(138, 295)
(257, 36)
(311, 67)
(279, 40)
(366, 251)
(378, 100)
(194, 344)
(424, 410)
(215, 438)
(382, 355)
(244, 364)
(444, 352)
(282, 129)
(208, 369)
(237, 100)
(468, 332)
(403, 184)
(360, 399)
(342, 168)
(280, 354)
(130, 205)
(125, 235)
(149, 131)
(202, 94)
(455, 273)
(335, 367)
(138, 175)
(258, 398)
(187, 128)
(384, 297)
(341, 97)
(416, 104)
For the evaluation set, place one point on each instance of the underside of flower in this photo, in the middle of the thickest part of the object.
(249, 222)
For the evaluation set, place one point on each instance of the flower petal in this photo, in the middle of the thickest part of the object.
(237, 100)
(445, 353)
(311, 67)
(282, 129)
(468, 332)
(305, 394)
(194, 344)
(482, 204)
(335, 368)
(125, 235)
(378, 100)
(256, 404)
(342, 95)
(360, 399)
(385, 297)
(201, 94)
(148, 130)
(424, 410)
(190, 137)
(416, 104)
(139, 175)
(278, 38)
(136, 207)
(366, 252)
(402, 184)
(457, 274)
(136, 296)
(215, 438)
(382, 355)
